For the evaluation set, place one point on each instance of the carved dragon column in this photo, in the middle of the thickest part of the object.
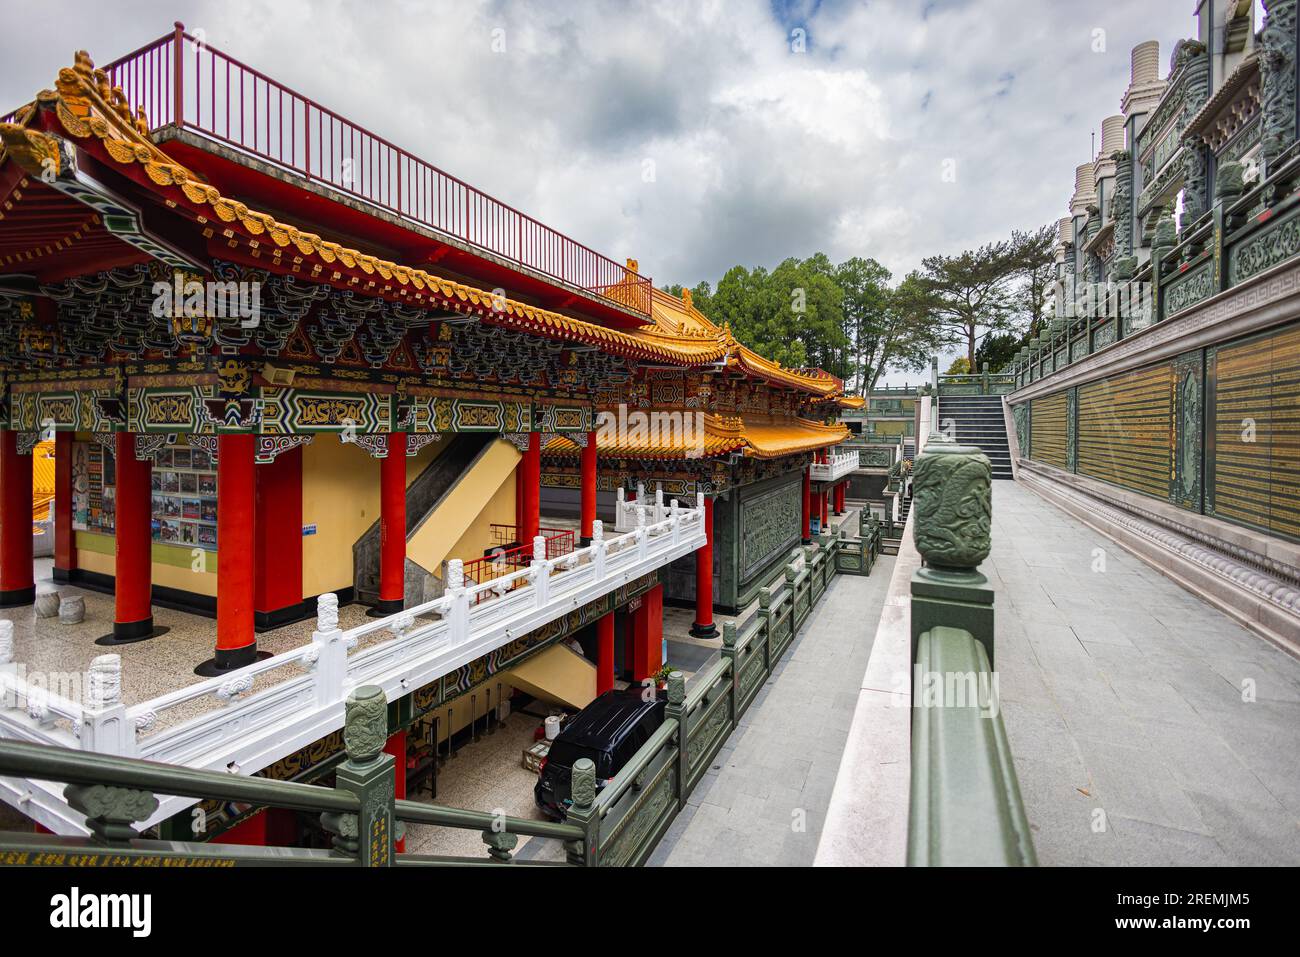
(1196, 187)
(1277, 79)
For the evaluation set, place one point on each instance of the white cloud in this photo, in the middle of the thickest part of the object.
(760, 153)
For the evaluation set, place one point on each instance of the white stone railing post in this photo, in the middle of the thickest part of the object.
(598, 547)
(620, 507)
(675, 515)
(105, 728)
(642, 537)
(659, 506)
(541, 572)
(330, 650)
(458, 613)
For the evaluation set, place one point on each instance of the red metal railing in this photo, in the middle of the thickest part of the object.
(505, 561)
(181, 81)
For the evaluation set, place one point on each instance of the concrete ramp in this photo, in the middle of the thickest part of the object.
(558, 675)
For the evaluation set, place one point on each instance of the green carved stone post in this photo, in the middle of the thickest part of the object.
(952, 502)
(369, 774)
(676, 709)
(585, 814)
(728, 653)
(1277, 57)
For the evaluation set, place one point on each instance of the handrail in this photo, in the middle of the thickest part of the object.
(220, 98)
(622, 782)
(44, 762)
(966, 808)
(413, 812)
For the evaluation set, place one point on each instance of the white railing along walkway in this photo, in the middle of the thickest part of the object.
(840, 465)
(247, 720)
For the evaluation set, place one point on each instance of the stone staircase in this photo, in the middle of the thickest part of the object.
(423, 496)
(978, 420)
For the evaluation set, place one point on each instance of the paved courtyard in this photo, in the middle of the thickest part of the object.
(765, 799)
(1147, 727)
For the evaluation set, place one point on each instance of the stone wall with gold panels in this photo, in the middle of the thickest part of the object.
(1253, 434)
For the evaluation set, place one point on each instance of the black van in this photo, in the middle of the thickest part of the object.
(609, 731)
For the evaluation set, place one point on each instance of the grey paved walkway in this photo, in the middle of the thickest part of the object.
(765, 800)
(1126, 700)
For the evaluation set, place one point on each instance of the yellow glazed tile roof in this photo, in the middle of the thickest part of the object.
(759, 436)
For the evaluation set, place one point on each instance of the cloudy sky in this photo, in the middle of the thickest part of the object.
(689, 134)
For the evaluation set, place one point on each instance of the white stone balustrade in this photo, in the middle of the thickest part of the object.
(840, 465)
(247, 720)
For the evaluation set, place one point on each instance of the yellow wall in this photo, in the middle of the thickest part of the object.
(457, 714)
(559, 675)
(340, 496)
(173, 565)
(460, 529)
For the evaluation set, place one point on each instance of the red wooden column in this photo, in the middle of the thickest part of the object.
(588, 489)
(531, 473)
(396, 746)
(133, 546)
(236, 545)
(605, 653)
(65, 548)
(392, 526)
(807, 505)
(704, 626)
(277, 528)
(839, 497)
(17, 583)
(648, 634)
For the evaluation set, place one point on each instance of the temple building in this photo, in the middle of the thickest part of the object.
(257, 362)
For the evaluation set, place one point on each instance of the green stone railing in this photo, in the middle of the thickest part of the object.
(626, 821)
(117, 793)
(981, 383)
(965, 800)
(1245, 233)
(965, 805)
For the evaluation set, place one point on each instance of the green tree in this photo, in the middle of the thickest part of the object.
(972, 294)
(900, 334)
(998, 350)
(1035, 254)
